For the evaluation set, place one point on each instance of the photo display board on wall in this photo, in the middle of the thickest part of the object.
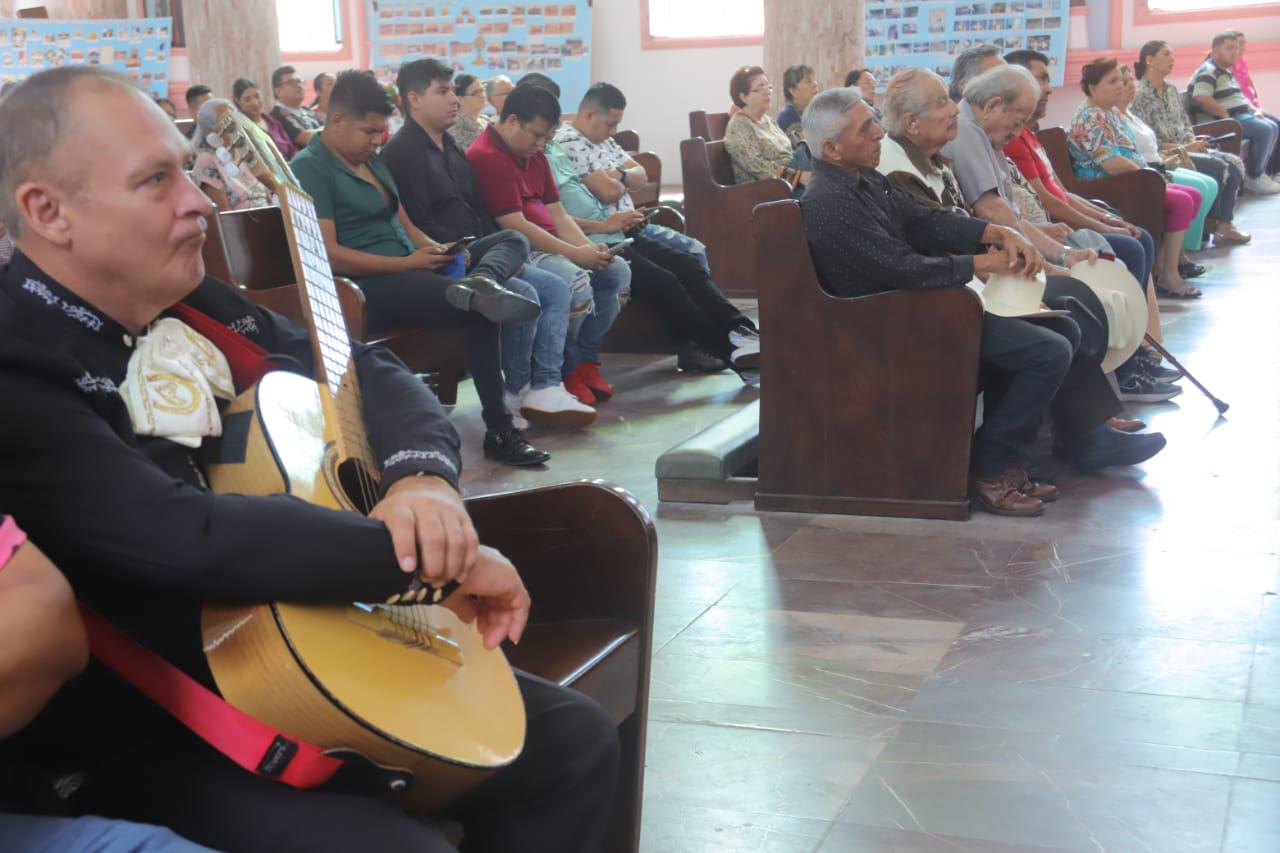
(486, 39)
(904, 34)
(138, 47)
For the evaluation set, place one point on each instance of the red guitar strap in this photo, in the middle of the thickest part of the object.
(247, 360)
(255, 746)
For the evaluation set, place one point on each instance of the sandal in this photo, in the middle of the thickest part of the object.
(1185, 292)
(1191, 270)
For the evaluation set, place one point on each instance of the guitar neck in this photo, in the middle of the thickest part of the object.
(322, 311)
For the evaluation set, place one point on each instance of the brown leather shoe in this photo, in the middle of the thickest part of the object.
(1000, 496)
(1046, 492)
(1227, 232)
(1127, 424)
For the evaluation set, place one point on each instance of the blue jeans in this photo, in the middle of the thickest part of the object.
(603, 293)
(680, 242)
(1136, 253)
(1262, 134)
(31, 834)
(533, 351)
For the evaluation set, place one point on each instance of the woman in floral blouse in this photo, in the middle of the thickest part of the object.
(227, 165)
(470, 123)
(1159, 104)
(757, 147)
(1102, 143)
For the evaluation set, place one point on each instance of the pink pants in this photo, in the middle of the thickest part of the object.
(1181, 204)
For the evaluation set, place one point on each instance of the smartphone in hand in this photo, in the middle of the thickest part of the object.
(458, 245)
(618, 248)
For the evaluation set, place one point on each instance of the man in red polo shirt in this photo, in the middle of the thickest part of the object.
(520, 192)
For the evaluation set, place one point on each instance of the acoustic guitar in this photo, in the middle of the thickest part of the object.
(407, 687)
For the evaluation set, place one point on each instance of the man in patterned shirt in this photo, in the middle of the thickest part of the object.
(298, 120)
(668, 270)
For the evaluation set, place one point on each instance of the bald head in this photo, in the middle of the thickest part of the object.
(41, 128)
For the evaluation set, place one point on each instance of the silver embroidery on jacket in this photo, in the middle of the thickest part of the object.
(78, 313)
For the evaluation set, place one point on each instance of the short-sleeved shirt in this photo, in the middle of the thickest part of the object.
(1221, 85)
(977, 166)
(365, 220)
(296, 121)
(1097, 135)
(584, 157)
(1032, 161)
(577, 199)
(11, 538)
(509, 184)
(236, 180)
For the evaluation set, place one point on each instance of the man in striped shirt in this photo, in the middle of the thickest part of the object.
(1215, 94)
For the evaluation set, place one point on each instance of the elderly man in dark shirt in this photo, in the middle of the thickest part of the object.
(867, 236)
(108, 244)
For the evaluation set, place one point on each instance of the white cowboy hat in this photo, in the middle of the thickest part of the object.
(1126, 306)
(1016, 296)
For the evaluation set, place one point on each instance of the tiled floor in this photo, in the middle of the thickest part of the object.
(1106, 677)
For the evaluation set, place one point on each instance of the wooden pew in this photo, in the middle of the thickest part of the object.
(1222, 127)
(258, 257)
(709, 126)
(718, 213)
(588, 554)
(867, 404)
(1138, 195)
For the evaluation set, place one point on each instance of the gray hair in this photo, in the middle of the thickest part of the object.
(1006, 82)
(966, 66)
(491, 85)
(827, 116)
(904, 96)
(207, 117)
(36, 118)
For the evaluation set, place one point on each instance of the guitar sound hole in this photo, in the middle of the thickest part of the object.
(358, 485)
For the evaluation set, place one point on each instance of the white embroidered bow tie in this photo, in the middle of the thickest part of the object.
(172, 381)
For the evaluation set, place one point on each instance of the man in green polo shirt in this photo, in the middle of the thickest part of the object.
(401, 270)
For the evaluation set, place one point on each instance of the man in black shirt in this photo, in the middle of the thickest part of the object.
(107, 243)
(441, 198)
(867, 236)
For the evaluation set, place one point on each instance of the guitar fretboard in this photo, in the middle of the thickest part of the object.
(323, 310)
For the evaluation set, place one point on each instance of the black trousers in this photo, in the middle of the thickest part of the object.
(675, 284)
(1230, 181)
(417, 299)
(556, 797)
(1052, 365)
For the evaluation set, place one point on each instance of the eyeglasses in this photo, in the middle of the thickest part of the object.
(293, 81)
(768, 87)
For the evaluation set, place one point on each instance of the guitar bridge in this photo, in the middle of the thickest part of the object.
(407, 626)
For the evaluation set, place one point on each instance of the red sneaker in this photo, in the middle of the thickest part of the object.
(574, 385)
(589, 372)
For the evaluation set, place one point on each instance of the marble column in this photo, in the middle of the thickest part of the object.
(825, 35)
(230, 39)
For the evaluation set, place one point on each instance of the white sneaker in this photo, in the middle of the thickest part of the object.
(1262, 185)
(746, 349)
(555, 406)
(513, 402)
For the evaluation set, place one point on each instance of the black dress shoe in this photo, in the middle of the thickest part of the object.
(691, 358)
(1191, 270)
(491, 300)
(1102, 447)
(511, 448)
